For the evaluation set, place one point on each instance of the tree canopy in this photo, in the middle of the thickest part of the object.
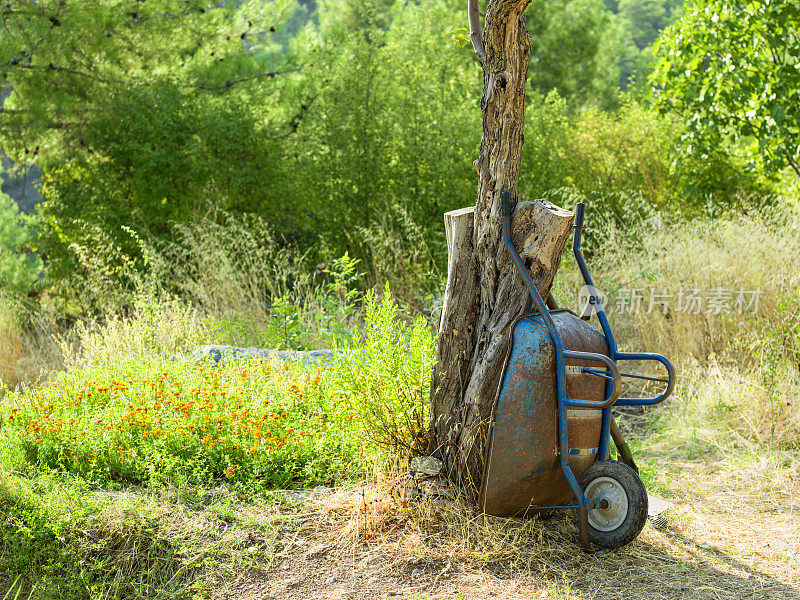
(68, 62)
(731, 72)
(330, 120)
(17, 270)
(577, 48)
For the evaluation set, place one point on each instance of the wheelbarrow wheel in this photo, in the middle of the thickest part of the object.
(623, 498)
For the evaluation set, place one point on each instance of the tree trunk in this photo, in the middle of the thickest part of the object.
(484, 292)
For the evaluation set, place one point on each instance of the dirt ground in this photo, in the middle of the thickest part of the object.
(714, 543)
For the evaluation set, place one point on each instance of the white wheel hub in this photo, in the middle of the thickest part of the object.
(610, 490)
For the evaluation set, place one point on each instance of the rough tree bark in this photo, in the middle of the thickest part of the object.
(484, 293)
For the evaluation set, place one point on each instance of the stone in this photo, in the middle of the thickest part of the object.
(217, 353)
(439, 492)
(427, 465)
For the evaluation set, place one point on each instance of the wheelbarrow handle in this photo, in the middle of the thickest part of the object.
(579, 215)
(541, 307)
(615, 376)
(654, 357)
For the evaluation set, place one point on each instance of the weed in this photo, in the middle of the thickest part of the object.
(15, 590)
(388, 372)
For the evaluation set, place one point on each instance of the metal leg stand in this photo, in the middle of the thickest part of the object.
(584, 526)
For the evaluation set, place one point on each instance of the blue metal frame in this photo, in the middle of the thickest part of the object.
(610, 362)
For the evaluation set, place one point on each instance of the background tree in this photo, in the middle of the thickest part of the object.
(729, 71)
(139, 114)
(64, 60)
(390, 119)
(577, 48)
(18, 269)
(646, 18)
(349, 120)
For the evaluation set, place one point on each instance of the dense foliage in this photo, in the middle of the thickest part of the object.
(577, 49)
(642, 21)
(341, 126)
(730, 70)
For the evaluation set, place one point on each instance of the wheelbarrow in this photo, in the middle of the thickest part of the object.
(551, 423)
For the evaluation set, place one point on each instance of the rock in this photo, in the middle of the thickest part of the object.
(427, 465)
(410, 488)
(302, 496)
(439, 492)
(216, 353)
(330, 580)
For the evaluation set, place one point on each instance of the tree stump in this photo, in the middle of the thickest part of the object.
(463, 387)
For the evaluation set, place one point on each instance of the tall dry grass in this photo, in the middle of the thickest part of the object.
(237, 283)
(720, 258)
(231, 269)
(738, 370)
(28, 347)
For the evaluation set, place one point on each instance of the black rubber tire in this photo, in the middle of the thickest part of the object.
(636, 494)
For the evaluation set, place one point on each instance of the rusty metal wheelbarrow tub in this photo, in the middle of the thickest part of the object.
(551, 421)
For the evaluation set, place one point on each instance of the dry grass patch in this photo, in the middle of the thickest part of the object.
(441, 551)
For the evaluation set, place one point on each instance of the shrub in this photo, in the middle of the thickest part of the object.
(621, 163)
(387, 373)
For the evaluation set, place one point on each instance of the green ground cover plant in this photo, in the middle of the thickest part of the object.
(154, 420)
